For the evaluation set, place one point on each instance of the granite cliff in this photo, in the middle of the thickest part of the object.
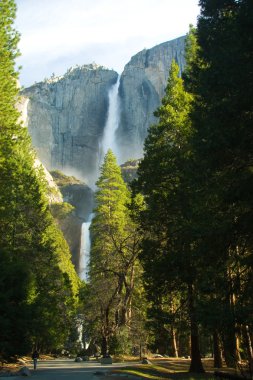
(80, 197)
(142, 86)
(67, 115)
(66, 118)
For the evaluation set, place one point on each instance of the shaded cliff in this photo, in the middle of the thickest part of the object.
(142, 87)
(80, 196)
(129, 170)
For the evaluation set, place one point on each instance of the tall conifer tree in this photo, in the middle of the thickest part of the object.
(114, 253)
(34, 258)
(222, 80)
(164, 178)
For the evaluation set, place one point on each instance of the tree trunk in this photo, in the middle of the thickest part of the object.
(105, 333)
(229, 346)
(174, 342)
(229, 335)
(104, 346)
(237, 348)
(249, 348)
(217, 350)
(196, 363)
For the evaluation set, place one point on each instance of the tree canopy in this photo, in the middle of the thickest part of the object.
(38, 283)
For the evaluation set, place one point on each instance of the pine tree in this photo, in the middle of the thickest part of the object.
(114, 253)
(164, 177)
(222, 140)
(35, 260)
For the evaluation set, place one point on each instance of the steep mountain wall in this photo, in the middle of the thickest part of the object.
(66, 117)
(142, 86)
(80, 196)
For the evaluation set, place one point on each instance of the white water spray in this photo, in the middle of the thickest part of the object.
(112, 122)
(85, 249)
(108, 142)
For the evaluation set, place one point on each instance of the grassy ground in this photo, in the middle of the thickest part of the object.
(169, 369)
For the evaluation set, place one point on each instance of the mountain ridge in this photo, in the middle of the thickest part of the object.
(66, 115)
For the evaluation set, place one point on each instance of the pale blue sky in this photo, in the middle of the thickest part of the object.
(57, 34)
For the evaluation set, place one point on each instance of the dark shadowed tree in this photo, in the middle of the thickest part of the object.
(35, 260)
(164, 177)
(221, 79)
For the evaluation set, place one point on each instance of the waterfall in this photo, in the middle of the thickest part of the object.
(108, 142)
(85, 249)
(112, 122)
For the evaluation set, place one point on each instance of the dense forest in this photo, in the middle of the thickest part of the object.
(38, 283)
(171, 265)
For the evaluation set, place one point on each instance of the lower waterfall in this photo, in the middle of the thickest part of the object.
(85, 249)
(108, 142)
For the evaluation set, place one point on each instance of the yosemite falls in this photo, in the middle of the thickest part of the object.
(75, 118)
(112, 122)
(108, 142)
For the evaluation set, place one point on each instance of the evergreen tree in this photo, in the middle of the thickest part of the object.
(222, 140)
(114, 251)
(168, 256)
(35, 260)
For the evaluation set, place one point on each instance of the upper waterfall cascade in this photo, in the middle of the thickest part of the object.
(112, 122)
(74, 120)
(108, 142)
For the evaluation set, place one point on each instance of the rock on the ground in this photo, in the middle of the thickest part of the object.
(145, 361)
(24, 371)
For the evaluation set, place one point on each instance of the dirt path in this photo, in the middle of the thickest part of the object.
(69, 370)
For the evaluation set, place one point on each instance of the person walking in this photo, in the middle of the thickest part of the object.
(35, 357)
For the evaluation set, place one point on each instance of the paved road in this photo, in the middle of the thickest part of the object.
(69, 370)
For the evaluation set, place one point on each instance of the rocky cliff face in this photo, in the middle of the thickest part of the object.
(81, 197)
(142, 86)
(66, 117)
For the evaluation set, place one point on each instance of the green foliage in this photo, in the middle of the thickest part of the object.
(63, 180)
(61, 210)
(38, 284)
(171, 262)
(163, 181)
(114, 268)
(222, 140)
(196, 177)
(121, 343)
(15, 282)
(129, 170)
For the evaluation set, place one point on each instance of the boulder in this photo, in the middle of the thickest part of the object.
(24, 371)
(106, 360)
(78, 359)
(145, 361)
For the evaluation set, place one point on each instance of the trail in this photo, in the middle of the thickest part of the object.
(68, 369)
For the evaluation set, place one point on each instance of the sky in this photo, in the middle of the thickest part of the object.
(58, 34)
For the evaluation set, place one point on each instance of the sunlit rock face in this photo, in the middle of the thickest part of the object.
(142, 87)
(66, 117)
(53, 194)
